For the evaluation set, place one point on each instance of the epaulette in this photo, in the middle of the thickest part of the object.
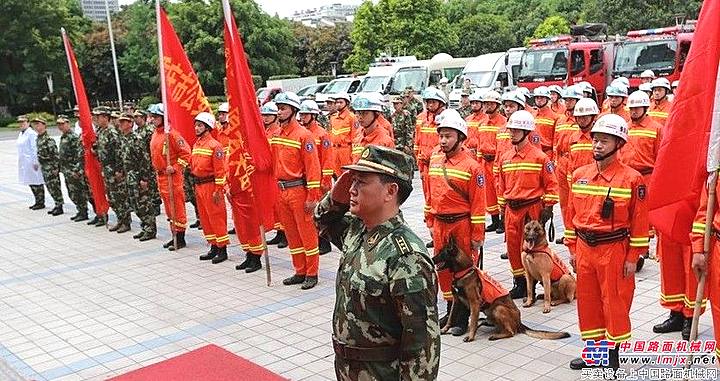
(401, 244)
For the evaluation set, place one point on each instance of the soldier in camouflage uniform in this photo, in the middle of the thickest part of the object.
(138, 175)
(47, 153)
(72, 166)
(465, 109)
(144, 131)
(107, 150)
(412, 104)
(189, 188)
(403, 126)
(385, 323)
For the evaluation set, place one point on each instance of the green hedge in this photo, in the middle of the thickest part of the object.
(284, 76)
(324, 78)
(6, 121)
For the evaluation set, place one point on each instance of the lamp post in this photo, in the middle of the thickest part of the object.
(49, 80)
(333, 66)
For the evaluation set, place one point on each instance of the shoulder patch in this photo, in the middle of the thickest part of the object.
(180, 142)
(550, 167)
(641, 192)
(480, 180)
(401, 244)
(309, 146)
(219, 153)
(536, 139)
(326, 143)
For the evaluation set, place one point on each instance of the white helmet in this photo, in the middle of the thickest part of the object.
(645, 87)
(542, 91)
(521, 120)
(475, 96)
(433, 93)
(617, 90)
(343, 95)
(556, 89)
(269, 108)
(492, 96)
(611, 124)
(309, 107)
(586, 106)
(450, 118)
(648, 74)
(638, 99)
(586, 87)
(444, 81)
(660, 82)
(622, 80)
(288, 98)
(675, 84)
(207, 118)
(525, 92)
(224, 107)
(367, 103)
(514, 96)
(573, 92)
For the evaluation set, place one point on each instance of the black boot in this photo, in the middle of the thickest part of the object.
(674, 323)
(180, 238)
(167, 244)
(460, 320)
(244, 264)
(93, 221)
(57, 211)
(124, 227)
(37, 206)
(687, 326)
(283, 241)
(115, 227)
(430, 244)
(195, 225)
(279, 235)
(138, 235)
(101, 221)
(324, 246)
(614, 361)
(639, 265)
(578, 363)
(81, 216)
(232, 231)
(495, 223)
(295, 279)
(221, 255)
(310, 282)
(560, 240)
(147, 236)
(210, 254)
(504, 255)
(254, 264)
(519, 289)
(501, 226)
(443, 320)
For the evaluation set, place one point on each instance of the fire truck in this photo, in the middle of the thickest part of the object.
(569, 59)
(662, 50)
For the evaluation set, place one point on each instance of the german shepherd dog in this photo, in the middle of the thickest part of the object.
(502, 313)
(537, 258)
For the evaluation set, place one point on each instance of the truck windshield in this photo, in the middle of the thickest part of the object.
(335, 87)
(405, 77)
(480, 79)
(544, 63)
(636, 57)
(371, 84)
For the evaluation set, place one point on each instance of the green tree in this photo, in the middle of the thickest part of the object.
(624, 15)
(364, 39)
(552, 26)
(480, 34)
(316, 48)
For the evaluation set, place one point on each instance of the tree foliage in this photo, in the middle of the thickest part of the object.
(552, 26)
(481, 34)
(316, 48)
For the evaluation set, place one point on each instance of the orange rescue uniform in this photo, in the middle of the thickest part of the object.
(272, 130)
(474, 121)
(378, 136)
(297, 169)
(558, 107)
(486, 143)
(426, 138)
(386, 125)
(342, 133)
(564, 129)
(456, 210)
(659, 111)
(179, 159)
(604, 295)
(209, 167)
(326, 154)
(545, 121)
(526, 184)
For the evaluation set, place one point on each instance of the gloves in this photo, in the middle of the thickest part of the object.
(545, 215)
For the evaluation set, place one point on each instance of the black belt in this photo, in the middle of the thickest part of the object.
(517, 204)
(646, 171)
(380, 354)
(594, 238)
(287, 184)
(203, 180)
(452, 218)
(488, 157)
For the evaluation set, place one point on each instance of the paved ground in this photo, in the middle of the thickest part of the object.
(79, 302)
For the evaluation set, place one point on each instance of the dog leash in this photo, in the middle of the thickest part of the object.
(551, 231)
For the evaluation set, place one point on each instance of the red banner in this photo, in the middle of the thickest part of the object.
(246, 130)
(680, 170)
(92, 166)
(185, 96)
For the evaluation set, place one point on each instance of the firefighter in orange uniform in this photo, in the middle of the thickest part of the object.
(426, 138)
(564, 129)
(342, 132)
(487, 148)
(527, 187)
(580, 142)
(368, 111)
(557, 103)
(268, 112)
(702, 261)
(457, 203)
(209, 166)
(616, 97)
(297, 169)
(476, 118)
(661, 105)
(170, 173)
(545, 120)
(309, 111)
(607, 233)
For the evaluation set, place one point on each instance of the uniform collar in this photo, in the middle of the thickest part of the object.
(522, 152)
(290, 127)
(343, 114)
(609, 172)
(376, 234)
(458, 157)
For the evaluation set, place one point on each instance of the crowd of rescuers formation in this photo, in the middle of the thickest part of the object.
(511, 156)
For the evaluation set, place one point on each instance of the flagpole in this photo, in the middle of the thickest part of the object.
(227, 13)
(166, 125)
(114, 57)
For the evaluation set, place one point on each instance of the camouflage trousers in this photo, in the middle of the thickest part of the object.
(349, 370)
(77, 190)
(155, 195)
(141, 202)
(189, 188)
(38, 192)
(51, 174)
(117, 193)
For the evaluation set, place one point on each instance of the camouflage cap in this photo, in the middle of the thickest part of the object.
(22, 118)
(125, 116)
(115, 115)
(465, 92)
(101, 110)
(139, 113)
(76, 108)
(62, 119)
(408, 90)
(383, 160)
(38, 119)
(396, 99)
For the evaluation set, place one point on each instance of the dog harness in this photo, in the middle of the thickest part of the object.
(559, 267)
(491, 289)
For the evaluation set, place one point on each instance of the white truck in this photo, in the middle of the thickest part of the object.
(484, 72)
(348, 85)
(424, 73)
(291, 84)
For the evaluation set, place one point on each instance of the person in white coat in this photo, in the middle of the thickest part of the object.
(28, 165)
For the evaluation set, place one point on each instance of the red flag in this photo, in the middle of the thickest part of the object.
(185, 97)
(246, 129)
(92, 166)
(680, 169)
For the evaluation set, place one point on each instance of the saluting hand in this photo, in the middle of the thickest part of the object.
(340, 193)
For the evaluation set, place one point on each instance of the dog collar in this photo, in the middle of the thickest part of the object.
(461, 274)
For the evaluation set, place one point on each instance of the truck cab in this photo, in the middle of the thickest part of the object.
(424, 73)
(484, 72)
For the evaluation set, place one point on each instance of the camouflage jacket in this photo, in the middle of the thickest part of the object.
(414, 106)
(404, 128)
(464, 111)
(47, 151)
(107, 149)
(71, 156)
(145, 134)
(386, 295)
(324, 121)
(135, 158)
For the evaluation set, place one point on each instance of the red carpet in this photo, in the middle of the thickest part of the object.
(209, 363)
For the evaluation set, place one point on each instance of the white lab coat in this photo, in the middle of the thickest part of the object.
(27, 157)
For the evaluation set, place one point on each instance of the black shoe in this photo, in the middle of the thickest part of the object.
(74, 217)
(279, 236)
(221, 255)
(125, 227)
(180, 238)
(195, 224)
(639, 265)
(324, 246)
(114, 227)
(283, 242)
(460, 320)
(560, 240)
(503, 256)
(51, 210)
(244, 264)
(58, 210)
(254, 264)
(295, 279)
(310, 282)
(687, 326)
(494, 225)
(519, 289)
(147, 236)
(578, 364)
(430, 244)
(93, 221)
(674, 323)
(501, 228)
(81, 217)
(212, 253)
(138, 235)
(101, 221)
(232, 231)
(167, 244)
(37, 206)
(646, 255)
